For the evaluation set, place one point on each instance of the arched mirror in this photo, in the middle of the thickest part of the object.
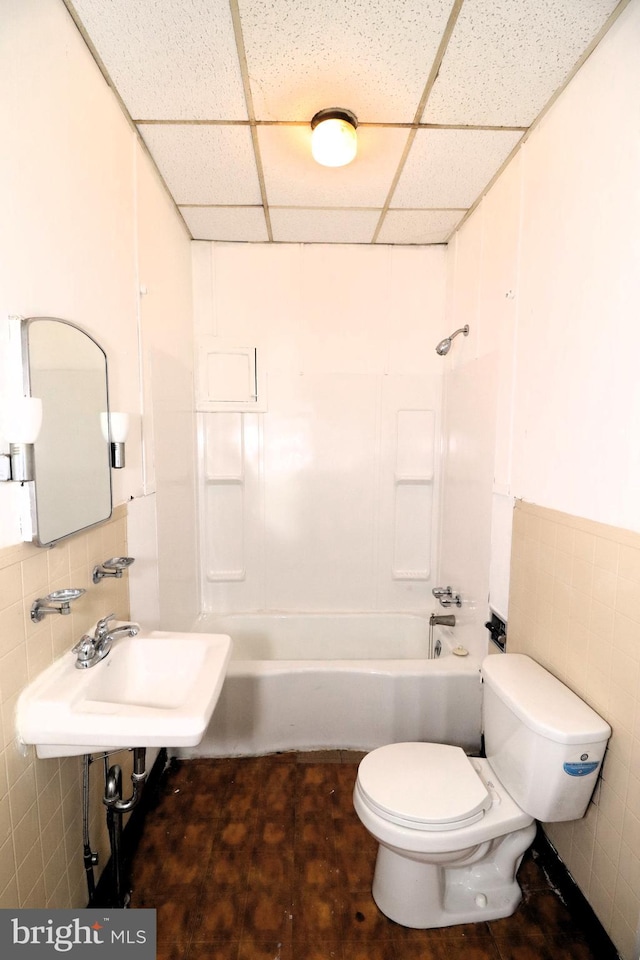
(67, 369)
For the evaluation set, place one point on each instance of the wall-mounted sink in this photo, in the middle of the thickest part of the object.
(157, 689)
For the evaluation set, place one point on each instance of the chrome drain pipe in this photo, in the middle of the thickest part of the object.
(116, 808)
(90, 858)
(113, 795)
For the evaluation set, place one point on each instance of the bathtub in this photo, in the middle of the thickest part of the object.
(327, 681)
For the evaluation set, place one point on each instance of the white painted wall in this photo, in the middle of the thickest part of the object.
(468, 456)
(576, 437)
(85, 223)
(168, 436)
(66, 192)
(333, 493)
(478, 409)
(546, 273)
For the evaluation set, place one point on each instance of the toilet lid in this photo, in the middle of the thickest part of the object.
(430, 786)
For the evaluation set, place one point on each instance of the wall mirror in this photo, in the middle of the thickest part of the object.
(67, 369)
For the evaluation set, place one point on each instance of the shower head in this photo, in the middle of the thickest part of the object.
(445, 345)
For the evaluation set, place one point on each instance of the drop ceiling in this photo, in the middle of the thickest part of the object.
(222, 92)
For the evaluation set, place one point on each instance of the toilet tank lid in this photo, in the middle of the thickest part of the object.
(541, 701)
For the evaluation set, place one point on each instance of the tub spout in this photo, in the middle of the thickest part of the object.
(442, 620)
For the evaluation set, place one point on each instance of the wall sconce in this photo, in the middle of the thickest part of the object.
(21, 424)
(115, 428)
(334, 141)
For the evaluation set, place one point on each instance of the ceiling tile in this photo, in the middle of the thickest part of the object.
(293, 178)
(370, 56)
(419, 226)
(169, 60)
(226, 223)
(205, 164)
(506, 58)
(323, 226)
(450, 168)
(177, 62)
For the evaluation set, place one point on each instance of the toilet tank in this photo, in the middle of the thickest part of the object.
(544, 743)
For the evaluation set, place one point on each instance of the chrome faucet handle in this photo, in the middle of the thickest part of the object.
(441, 592)
(450, 599)
(84, 643)
(85, 649)
(102, 626)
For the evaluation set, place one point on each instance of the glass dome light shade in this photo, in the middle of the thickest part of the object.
(334, 140)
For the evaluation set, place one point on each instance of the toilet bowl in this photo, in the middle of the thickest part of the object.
(451, 845)
(452, 830)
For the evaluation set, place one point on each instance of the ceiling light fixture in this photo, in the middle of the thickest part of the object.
(334, 141)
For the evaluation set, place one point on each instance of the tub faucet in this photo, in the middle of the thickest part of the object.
(442, 620)
(91, 650)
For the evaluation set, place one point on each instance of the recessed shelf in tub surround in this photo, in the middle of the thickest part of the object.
(229, 384)
(413, 494)
(223, 443)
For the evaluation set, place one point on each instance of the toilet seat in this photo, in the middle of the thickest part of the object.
(423, 786)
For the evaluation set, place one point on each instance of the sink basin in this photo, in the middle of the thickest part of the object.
(157, 689)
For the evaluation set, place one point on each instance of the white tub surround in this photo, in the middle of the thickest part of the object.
(318, 425)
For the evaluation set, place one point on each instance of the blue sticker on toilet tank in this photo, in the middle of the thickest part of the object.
(581, 769)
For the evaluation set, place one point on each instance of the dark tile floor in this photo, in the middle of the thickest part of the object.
(264, 859)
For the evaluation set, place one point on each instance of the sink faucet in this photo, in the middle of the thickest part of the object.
(91, 650)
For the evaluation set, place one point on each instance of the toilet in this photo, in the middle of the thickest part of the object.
(453, 829)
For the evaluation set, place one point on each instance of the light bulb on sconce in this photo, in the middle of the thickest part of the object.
(334, 140)
(115, 429)
(21, 422)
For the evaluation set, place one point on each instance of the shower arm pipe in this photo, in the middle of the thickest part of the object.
(464, 330)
